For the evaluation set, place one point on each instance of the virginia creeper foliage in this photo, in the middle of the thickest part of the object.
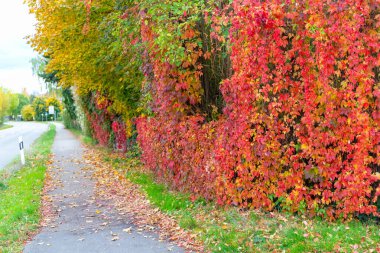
(260, 104)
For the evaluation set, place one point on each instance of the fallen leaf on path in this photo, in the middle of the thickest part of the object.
(128, 230)
(132, 204)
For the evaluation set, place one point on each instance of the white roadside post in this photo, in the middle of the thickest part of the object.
(22, 153)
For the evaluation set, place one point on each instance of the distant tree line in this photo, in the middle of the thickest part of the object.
(21, 106)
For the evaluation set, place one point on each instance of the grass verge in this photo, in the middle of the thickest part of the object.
(5, 126)
(232, 230)
(20, 195)
(88, 140)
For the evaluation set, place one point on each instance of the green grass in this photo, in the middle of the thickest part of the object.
(232, 230)
(20, 196)
(158, 193)
(88, 140)
(328, 237)
(5, 126)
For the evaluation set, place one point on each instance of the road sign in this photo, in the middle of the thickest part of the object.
(51, 110)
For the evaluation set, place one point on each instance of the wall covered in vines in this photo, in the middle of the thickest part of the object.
(259, 104)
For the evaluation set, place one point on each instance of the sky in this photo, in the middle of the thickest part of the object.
(15, 54)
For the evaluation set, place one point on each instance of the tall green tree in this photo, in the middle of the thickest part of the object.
(39, 106)
(23, 100)
(13, 105)
(70, 117)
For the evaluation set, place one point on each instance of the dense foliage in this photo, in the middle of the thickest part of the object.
(4, 104)
(23, 100)
(261, 104)
(69, 115)
(29, 107)
(9, 103)
(40, 108)
(41, 105)
(28, 113)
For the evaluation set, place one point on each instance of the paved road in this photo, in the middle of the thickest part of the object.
(86, 224)
(9, 139)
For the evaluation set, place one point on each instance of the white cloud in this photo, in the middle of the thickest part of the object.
(15, 54)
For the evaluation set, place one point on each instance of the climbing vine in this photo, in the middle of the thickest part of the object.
(260, 104)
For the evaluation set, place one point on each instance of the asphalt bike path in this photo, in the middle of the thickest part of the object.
(84, 223)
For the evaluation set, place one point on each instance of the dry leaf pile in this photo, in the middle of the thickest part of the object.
(130, 201)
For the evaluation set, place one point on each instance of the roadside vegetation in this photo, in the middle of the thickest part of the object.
(86, 139)
(20, 195)
(254, 104)
(17, 106)
(5, 126)
(231, 229)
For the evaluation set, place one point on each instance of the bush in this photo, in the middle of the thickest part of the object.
(300, 126)
(260, 104)
(27, 113)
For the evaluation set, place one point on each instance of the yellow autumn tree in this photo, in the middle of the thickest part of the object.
(84, 48)
(27, 113)
(53, 101)
(4, 104)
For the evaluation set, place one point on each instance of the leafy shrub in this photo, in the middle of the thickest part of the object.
(300, 127)
(261, 104)
(69, 114)
(27, 113)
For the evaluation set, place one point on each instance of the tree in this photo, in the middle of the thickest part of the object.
(23, 101)
(53, 101)
(254, 103)
(27, 113)
(50, 78)
(4, 104)
(98, 61)
(70, 117)
(40, 109)
(13, 105)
